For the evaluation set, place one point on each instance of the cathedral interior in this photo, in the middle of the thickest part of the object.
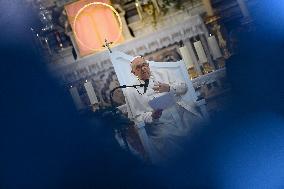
(231, 50)
(143, 21)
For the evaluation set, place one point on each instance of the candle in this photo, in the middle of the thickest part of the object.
(200, 52)
(91, 93)
(47, 45)
(214, 47)
(186, 57)
(76, 98)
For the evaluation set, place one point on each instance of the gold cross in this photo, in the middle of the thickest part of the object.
(107, 45)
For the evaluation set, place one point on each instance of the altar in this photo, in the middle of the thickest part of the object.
(161, 45)
(91, 78)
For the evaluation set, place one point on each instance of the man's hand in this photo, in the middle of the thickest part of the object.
(161, 87)
(156, 114)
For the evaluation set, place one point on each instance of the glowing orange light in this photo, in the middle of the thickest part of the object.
(92, 23)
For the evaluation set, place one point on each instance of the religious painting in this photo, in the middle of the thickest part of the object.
(93, 22)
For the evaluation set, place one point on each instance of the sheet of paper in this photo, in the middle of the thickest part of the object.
(162, 102)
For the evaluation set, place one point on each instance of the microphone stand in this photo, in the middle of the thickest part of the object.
(116, 113)
(121, 87)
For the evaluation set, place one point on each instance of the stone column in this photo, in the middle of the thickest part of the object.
(208, 7)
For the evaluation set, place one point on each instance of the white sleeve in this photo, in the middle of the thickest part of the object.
(145, 117)
(178, 88)
(140, 110)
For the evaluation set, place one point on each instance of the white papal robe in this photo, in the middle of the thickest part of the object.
(170, 129)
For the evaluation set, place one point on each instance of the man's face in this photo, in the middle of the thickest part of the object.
(140, 68)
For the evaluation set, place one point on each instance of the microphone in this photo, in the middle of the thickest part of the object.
(146, 85)
(126, 86)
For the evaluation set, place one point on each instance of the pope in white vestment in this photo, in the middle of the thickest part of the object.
(165, 128)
